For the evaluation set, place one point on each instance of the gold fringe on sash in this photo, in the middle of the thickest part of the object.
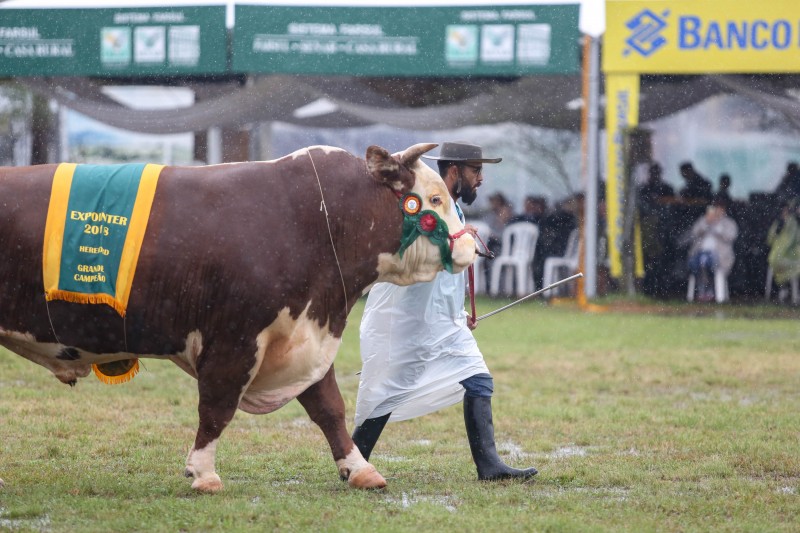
(116, 372)
(80, 298)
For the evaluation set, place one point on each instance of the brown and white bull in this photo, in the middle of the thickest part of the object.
(246, 275)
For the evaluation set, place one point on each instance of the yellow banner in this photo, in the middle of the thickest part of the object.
(622, 111)
(699, 37)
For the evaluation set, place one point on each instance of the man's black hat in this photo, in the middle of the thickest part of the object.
(462, 151)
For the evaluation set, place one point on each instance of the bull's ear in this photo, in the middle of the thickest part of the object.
(388, 171)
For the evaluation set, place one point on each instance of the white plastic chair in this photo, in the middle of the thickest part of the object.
(478, 266)
(518, 248)
(569, 261)
(794, 282)
(720, 287)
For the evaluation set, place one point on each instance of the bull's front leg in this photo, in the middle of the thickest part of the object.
(324, 404)
(221, 386)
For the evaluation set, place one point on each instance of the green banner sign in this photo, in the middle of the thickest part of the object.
(407, 41)
(161, 41)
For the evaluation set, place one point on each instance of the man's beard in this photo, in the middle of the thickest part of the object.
(468, 194)
(463, 191)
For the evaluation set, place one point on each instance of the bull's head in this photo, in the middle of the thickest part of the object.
(433, 237)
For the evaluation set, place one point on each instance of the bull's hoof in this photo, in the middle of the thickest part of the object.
(366, 478)
(209, 484)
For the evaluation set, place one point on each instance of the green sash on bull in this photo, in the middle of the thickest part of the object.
(96, 223)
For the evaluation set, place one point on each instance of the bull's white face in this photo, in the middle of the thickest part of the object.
(422, 260)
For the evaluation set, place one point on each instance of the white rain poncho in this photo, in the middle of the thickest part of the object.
(415, 349)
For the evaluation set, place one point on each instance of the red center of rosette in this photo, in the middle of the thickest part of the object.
(427, 222)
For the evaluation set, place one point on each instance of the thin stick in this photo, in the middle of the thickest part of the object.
(531, 295)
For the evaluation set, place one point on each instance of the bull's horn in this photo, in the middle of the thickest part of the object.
(412, 153)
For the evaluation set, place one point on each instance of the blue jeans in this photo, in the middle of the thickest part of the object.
(478, 386)
(703, 262)
(703, 265)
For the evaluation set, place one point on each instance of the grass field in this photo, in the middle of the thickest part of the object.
(651, 418)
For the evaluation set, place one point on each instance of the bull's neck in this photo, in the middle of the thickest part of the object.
(368, 225)
(377, 232)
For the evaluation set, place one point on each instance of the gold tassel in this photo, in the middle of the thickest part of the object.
(117, 371)
(80, 298)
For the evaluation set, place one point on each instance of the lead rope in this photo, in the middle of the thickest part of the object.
(324, 208)
(471, 273)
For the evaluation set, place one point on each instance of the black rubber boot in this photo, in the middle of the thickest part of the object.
(366, 435)
(480, 432)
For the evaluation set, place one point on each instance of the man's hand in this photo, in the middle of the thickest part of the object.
(472, 323)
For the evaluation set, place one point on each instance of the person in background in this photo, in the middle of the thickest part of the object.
(789, 186)
(655, 192)
(417, 348)
(690, 205)
(498, 217)
(533, 210)
(783, 239)
(712, 247)
(724, 190)
(697, 189)
(554, 230)
(654, 199)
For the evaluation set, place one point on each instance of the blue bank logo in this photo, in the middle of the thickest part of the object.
(645, 37)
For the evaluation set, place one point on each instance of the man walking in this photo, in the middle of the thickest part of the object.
(417, 348)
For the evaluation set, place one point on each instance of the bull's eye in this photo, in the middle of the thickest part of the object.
(436, 201)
